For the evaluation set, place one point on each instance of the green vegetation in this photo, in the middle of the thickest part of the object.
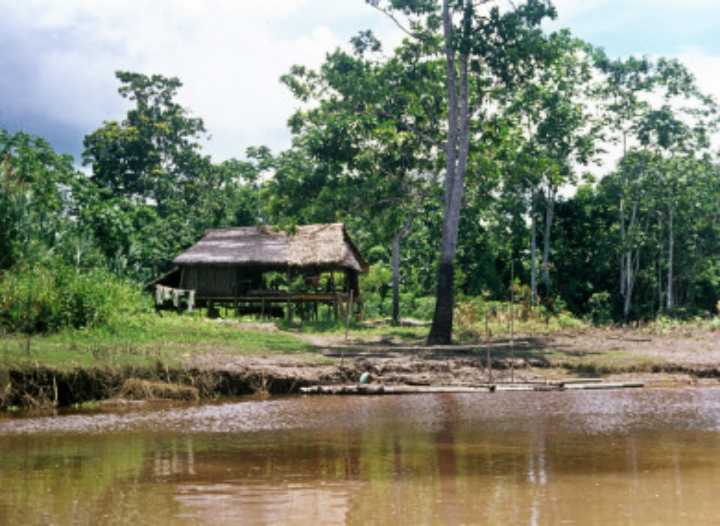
(464, 200)
(144, 340)
(45, 300)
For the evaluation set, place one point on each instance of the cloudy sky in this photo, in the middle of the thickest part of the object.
(58, 57)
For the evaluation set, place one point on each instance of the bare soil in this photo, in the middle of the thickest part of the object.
(687, 357)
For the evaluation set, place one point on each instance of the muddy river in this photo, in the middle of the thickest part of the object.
(587, 457)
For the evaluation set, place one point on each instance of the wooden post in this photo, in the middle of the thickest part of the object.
(289, 295)
(235, 302)
(487, 346)
(512, 322)
(335, 296)
(347, 316)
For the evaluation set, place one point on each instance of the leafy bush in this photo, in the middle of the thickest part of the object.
(600, 308)
(375, 306)
(43, 299)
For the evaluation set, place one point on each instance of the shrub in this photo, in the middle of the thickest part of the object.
(42, 300)
(410, 307)
(600, 308)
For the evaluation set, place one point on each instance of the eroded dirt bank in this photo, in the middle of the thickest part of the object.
(43, 387)
(688, 358)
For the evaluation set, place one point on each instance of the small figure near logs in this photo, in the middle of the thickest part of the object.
(370, 376)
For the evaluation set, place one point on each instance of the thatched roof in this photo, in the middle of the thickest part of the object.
(315, 246)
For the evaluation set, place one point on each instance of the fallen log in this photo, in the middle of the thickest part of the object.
(392, 389)
(576, 381)
(609, 385)
(377, 389)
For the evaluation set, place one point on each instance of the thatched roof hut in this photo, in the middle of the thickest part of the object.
(237, 264)
(318, 247)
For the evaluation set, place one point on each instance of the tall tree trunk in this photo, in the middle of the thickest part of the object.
(549, 217)
(671, 262)
(630, 262)
(633, 265)
(533, 250)
(455, 167)
(396, 280)
(630, 273)
(624, 250)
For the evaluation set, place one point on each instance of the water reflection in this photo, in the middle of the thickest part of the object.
(523, 458)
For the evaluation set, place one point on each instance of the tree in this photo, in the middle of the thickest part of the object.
(622, 86)
(554, 132)
(482, 47)
(674, 146)
(656, 135)
(154, 151)
(367, 147)
(154, 191)
(38, 193)
(684, 117)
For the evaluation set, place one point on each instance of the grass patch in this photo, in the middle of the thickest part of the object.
(602, 360)
(144, 340)
(595, 361)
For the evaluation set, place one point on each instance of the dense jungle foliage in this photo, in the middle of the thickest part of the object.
(591, 184)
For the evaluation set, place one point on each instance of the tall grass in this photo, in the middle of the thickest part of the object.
(44, 299)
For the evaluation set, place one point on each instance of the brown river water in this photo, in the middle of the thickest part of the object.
(581, 457)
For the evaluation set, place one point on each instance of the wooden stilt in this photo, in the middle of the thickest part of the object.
(335, 296)
(289, 295)
(347, 316)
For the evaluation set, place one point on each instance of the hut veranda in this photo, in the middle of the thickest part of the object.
(263, 271)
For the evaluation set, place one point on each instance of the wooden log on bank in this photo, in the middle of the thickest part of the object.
(609, 385)
(378, 389)
(390, 389)
(570, 381)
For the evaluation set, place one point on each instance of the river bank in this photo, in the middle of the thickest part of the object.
(690, 356)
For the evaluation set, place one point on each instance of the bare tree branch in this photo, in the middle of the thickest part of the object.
(392, 17)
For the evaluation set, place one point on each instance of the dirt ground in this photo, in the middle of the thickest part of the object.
(688, 357)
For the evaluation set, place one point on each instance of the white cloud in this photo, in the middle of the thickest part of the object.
(229, 54)
(705, 67)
